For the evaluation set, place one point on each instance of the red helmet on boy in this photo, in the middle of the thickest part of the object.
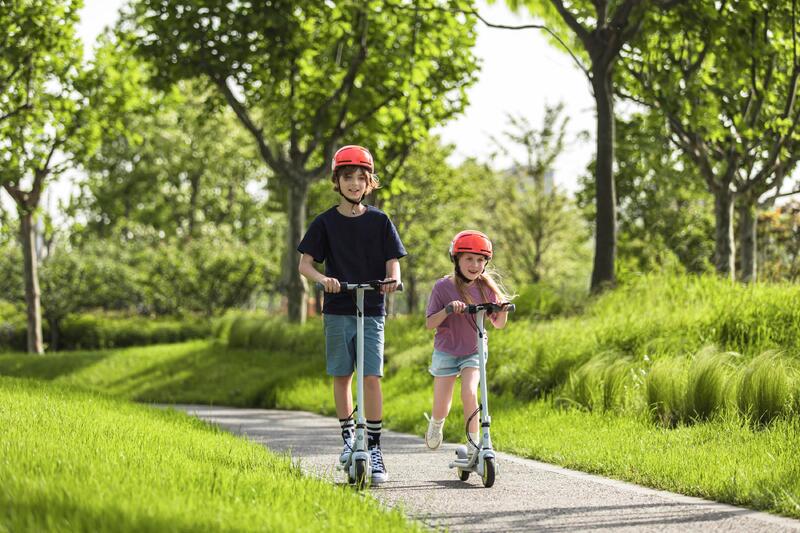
(471, 241)
(352, 155)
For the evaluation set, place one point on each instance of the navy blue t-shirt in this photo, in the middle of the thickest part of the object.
(354, 250)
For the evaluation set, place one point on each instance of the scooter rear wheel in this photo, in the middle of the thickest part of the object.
(463, 475)
(488, 472)
(361, 474)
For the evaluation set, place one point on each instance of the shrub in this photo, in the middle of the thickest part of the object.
(665, 390)
(707, 384)
(764, 392)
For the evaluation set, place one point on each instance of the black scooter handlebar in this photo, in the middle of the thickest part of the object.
(368, 285)
(490, 307)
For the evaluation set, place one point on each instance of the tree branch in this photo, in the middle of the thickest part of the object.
(244, 117)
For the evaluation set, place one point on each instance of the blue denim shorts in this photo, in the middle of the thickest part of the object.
(340, 345)
(444, 365)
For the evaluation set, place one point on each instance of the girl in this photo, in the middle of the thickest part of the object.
(455, 346)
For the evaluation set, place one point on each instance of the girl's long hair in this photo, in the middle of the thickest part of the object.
(489, 280)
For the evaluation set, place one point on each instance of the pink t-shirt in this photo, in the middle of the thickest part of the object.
(456, 335)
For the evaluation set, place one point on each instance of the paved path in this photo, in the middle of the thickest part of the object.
(527, 496)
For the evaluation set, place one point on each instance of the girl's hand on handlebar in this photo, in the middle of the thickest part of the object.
(456, 306)
(331, 285)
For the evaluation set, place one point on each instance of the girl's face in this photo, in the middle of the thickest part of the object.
(353, 182)
(471, 265)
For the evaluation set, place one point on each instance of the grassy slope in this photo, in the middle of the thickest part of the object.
(77, 461)
(722, 459)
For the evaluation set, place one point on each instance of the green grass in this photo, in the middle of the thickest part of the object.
(687, 384)
(78, 461)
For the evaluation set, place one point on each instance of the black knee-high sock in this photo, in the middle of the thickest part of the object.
(348, 427)
(374, 433)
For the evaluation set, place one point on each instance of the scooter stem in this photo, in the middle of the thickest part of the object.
(360, 417)
(483, 349)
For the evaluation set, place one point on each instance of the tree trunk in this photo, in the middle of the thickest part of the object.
(295, 283)
(55, 334)
(31, 274)
(748, 222)
(410, 287)
(723, 236)
(603, 275)
(194, 185)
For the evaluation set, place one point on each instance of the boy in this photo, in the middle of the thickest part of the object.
(357, 243)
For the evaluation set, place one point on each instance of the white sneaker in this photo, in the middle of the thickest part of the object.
(347, 449)
(379, 474)
(433, 437)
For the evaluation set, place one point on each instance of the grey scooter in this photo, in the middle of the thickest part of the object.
(484, 462)
(358, 466)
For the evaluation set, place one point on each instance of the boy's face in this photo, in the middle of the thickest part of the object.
(353, 182)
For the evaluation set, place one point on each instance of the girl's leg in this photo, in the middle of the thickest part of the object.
(469, 396)
(442, 396)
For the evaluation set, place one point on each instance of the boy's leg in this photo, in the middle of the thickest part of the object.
(373, 401)
(340, 350)
(374, 409)
(343, 396)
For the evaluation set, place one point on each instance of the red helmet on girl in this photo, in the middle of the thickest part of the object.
(471, 241)
(352, 155)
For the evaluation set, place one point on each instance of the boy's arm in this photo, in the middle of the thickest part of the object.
(307, 269)
(392, 272)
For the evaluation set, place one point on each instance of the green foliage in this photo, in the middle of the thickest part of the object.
(91, 331)
(429, 193)
(43, 97)
(274, 334)
(313, 73)
(708, 385)
(75, 461)
(664, 220)
(173, 160)
(764, 391)
(545, 301)
(534, 218)
(140, 271)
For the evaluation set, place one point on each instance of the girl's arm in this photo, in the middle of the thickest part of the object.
(499, 319)
(437, 318)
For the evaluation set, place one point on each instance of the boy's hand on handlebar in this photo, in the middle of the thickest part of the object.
(390, 285)
(331, 285)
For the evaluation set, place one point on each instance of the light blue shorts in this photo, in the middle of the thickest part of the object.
(340, 345)
(444, 365)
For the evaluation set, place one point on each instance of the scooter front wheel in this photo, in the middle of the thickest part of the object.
(488, 472)
(360, 480)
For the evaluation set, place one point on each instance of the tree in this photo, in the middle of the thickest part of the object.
(534, 214)
(304, 77)
(600, 29)
(664, 215)
(430, 201)
(45, 125)
(724, 76)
